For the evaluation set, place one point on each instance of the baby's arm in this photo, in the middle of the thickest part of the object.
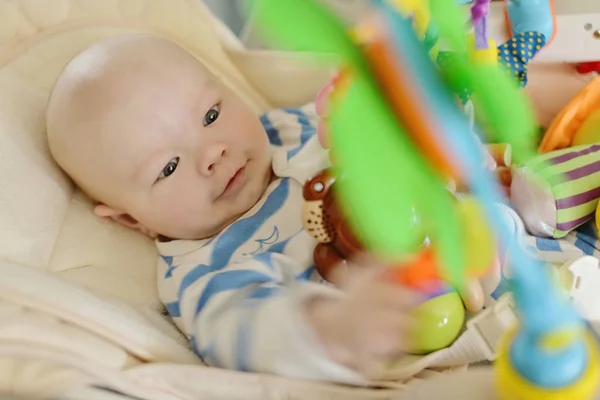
(250, 317)
(253, 316)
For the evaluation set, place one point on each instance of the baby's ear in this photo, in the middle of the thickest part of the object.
(104, 211)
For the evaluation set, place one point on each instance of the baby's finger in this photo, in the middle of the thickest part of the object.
(389, 333)
(386, 336)
(361, 268)
(322, 134)
(472, 295)
(322, 100)
(351, 276)
(368, 259)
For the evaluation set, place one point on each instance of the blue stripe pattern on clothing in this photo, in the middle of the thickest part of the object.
(272, 132)
(241, 231)
(244, 340)
(263, 292)
(208, 353)
(229, 280)
(280, 246)
(545, 244)
(173, 309)
(266, 258)
(583, 240)
(307, 132)
(307, 274)
(586, 239)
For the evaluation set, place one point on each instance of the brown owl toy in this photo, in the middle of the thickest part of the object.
(324, 221)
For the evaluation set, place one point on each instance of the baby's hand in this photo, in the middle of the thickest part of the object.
(322, 104)
(321, 107)
(367, 326)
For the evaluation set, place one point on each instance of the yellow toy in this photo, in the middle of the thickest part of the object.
(510, 385)
(481, 49)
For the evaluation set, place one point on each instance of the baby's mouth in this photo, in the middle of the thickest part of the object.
(236, 182)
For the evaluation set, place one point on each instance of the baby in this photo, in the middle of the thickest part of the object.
(164, 147)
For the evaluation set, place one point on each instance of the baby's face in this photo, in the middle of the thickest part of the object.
(189, 161)
(163, 144)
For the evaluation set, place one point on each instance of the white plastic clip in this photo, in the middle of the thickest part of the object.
(488, 327)
(581, 279)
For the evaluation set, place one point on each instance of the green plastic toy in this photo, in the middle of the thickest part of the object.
(387, 173)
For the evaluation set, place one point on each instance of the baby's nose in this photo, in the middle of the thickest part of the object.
(213, 155)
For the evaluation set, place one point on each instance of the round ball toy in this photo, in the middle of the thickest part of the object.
(438, 322)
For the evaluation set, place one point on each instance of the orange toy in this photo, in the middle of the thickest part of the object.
(572, 126)
(480, 249)
(407, 104)
(417, 273)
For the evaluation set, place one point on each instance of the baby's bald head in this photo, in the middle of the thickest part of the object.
(104, 91)
(129, 112)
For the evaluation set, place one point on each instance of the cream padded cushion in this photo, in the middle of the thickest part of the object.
(48, 224)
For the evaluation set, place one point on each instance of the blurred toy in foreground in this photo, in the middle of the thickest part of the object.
(323, 217)
(417, 139)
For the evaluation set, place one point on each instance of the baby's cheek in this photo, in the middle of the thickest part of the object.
(246, 135)
(182, 215)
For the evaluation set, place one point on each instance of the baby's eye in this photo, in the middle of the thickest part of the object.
(169, 168)
(212, 115)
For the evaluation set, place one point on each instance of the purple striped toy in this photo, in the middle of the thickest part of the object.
(556, 192)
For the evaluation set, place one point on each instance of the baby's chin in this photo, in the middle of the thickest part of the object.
(248, 198)
(252, 193)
